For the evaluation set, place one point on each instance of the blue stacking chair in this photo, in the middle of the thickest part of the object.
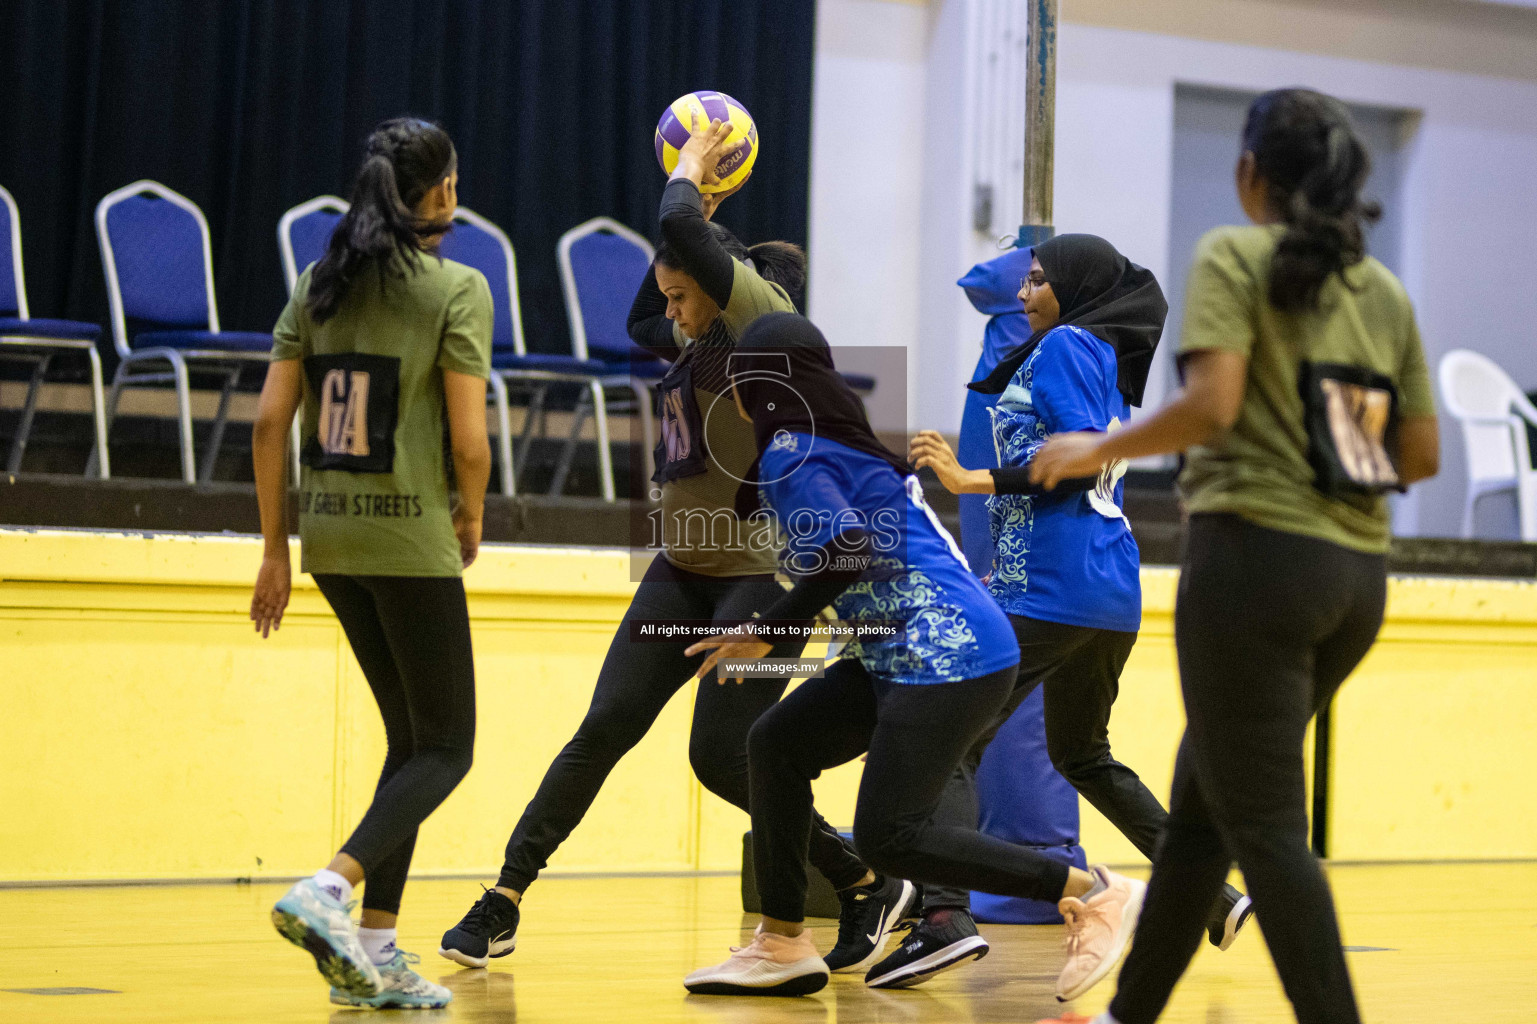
(303, 234)
(602, 262)
(305, 231)
(23, 339)
(479, 243)
(158, 262)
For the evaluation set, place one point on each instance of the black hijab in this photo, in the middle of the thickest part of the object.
(1107, 295)
(783, 370)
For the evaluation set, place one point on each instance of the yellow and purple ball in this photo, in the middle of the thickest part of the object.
(672, 133)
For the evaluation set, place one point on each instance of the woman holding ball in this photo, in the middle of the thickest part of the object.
(703, 292)
(1305, 398)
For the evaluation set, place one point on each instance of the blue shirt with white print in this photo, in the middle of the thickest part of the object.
(951, 630)
(1063, 557)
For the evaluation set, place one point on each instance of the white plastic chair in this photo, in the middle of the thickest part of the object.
(1494, 415)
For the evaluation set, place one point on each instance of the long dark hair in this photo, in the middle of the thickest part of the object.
(406, 157)
(1308, 152)
(781, 263)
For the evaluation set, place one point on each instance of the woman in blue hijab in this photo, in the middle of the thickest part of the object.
(1066, 567)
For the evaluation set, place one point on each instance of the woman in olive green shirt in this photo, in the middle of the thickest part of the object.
(1305, 398)
(381, 340)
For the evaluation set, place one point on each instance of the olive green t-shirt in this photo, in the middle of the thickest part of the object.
(1260, 469)
(698, 512)
(382, 506)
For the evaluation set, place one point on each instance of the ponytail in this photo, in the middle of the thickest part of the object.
(406, 158)
(1307, 151)
(781, 263)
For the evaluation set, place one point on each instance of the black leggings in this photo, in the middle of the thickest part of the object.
(916, 735)
(411, 636)
(1268, 625)
(636, 682)
(1079, 669)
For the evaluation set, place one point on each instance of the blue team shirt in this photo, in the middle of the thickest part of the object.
(951, 629)
(1067, 558)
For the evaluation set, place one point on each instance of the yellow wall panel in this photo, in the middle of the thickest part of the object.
(1435, 744)
(168, 748)
(1149, 719)
(146, 732)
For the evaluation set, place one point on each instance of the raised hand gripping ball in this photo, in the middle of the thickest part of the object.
(672, 132)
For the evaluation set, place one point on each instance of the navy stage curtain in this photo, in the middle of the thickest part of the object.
(251, 106)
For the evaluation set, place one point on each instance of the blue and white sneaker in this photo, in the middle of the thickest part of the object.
(322, 925)
(403, 988)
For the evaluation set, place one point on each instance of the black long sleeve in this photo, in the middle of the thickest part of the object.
(845, 556)
(1016, 480)
(688, 234)
(648, 324)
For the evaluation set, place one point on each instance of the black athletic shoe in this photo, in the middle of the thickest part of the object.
(942, 940)
(868, 916)
(1228, 917)
(489, 929)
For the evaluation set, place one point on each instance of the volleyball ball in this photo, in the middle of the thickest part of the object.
(672, 131)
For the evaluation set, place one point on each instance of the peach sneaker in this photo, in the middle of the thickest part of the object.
(769, 965)
(1098, 930)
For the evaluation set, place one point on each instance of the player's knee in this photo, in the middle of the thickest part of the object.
(883, 844)
(1074, 763)
(609, 729)
(717, 761)
(459, 758)
(769, 740)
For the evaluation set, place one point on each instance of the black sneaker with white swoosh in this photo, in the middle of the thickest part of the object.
(868, 916)
(943, 939)
(490, 929)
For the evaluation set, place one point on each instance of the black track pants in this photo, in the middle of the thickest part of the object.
(636, 682)
(411, 636)
(1079, 669)
(916, 735)
(1268, 625)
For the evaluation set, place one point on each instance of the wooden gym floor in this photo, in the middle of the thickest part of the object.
(1434, 944)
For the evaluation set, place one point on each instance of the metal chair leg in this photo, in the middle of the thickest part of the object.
(535, 410)
(294, 440)
(99, 413)
(1526, 504)
(99, 456)
(28, 411)
(221, 418)
(184, 416)
(503, 433)
(647, 428)
(568, 450)
(605, 448)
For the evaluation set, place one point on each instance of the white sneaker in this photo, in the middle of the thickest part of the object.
(769, 965)
(402, 988)
(320, 924)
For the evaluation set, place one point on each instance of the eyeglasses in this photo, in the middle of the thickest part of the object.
(1031, 283)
